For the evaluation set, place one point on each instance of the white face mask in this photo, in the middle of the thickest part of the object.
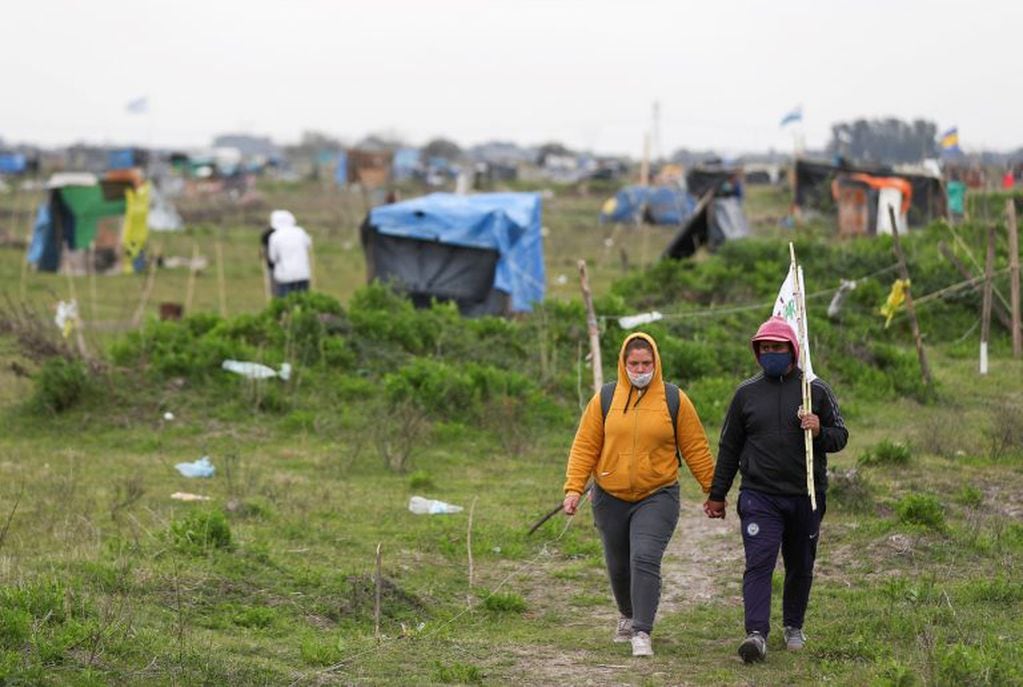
(640, 381)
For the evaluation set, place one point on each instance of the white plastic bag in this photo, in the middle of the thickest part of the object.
(423, 506)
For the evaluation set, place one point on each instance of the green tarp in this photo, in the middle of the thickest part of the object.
(87, 204)
(956, 197)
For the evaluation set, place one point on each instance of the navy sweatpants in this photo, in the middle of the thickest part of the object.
(770, 522)
(635, 536)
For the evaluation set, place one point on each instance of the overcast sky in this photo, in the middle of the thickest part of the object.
(585, 73)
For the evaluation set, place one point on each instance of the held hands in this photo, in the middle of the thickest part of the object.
(714, 509)
(809, 421)
(571, 503)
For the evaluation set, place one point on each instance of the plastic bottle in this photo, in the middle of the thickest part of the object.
(421, 506)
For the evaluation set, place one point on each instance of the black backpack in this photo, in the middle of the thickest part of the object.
(672, 394)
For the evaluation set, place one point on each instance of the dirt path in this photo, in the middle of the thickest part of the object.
(704, 560)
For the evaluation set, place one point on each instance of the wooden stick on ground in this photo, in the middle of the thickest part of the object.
(376, 602)
(925, 369)
(468, 541)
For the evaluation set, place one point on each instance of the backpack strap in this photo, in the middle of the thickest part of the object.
(607, 392)
(672, 394)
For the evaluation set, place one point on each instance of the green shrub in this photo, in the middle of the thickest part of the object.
(420, 479)
(201, 531)
(921, 509)
(255, 616)
(886, 453)
(962, 665)
(505, 602)
(60, 384)
(458, 673)
(969, 496)
(849, 490)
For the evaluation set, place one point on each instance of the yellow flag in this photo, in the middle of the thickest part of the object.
(136, 222)
(896, 298)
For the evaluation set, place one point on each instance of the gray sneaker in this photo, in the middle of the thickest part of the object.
(641, 645)
(795, 640)
(753, 648)
(623, 632)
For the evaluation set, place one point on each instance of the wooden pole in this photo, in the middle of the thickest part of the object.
(91, 267)
(376, 602)
(1017, 328)
(22, 287)
(190, 284)
(592, 328)
(136, 319)
(644, 168)
(221, 286)
(999, 310)
(985, 313)
(807, 398)
(925, 369)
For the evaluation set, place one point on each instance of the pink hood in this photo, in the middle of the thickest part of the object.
(776, 329)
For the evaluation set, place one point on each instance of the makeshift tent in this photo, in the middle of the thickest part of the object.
(668, 205)
(717, 218)
(863, 201)
(484, 252)
(78, 214)
(813, 188)
(406, 163)
(699, 180)
(13, 163)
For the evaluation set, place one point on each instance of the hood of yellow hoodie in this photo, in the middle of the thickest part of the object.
(623, 376)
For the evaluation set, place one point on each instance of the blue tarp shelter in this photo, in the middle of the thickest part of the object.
(668, 205)
(406, 163)
(483, 251)
(13, 163)
(341, 169)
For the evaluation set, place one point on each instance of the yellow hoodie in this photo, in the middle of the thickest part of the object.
(631, 454)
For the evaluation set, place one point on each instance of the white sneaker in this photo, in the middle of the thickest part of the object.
(641, 644)
(623, 633)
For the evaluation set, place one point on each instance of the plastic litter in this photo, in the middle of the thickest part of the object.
(185, 496)
(423, 506)
(630, 321)
(200, 468)
(256, 370)
(67, 317)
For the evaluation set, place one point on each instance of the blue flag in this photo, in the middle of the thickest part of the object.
(793, 116)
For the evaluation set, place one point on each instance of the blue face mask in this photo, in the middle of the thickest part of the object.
(775, 364)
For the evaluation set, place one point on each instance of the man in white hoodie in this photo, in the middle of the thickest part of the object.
(290, 251)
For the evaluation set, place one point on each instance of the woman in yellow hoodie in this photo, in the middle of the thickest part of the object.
(632, 455)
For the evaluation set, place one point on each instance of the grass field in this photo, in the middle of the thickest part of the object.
(104, 579)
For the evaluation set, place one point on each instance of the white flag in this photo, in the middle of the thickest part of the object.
(138, 105)
(786, 308)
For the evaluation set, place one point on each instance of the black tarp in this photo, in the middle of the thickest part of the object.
(813, 188)
(715, 220)
(699, 180)
(430, 270)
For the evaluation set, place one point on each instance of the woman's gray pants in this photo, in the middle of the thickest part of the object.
(635, 536)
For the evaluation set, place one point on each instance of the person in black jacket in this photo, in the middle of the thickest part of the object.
(763, 438)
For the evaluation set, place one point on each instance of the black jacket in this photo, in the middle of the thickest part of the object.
(762, 439)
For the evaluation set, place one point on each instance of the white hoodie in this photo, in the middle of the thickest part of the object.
(289, 248)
